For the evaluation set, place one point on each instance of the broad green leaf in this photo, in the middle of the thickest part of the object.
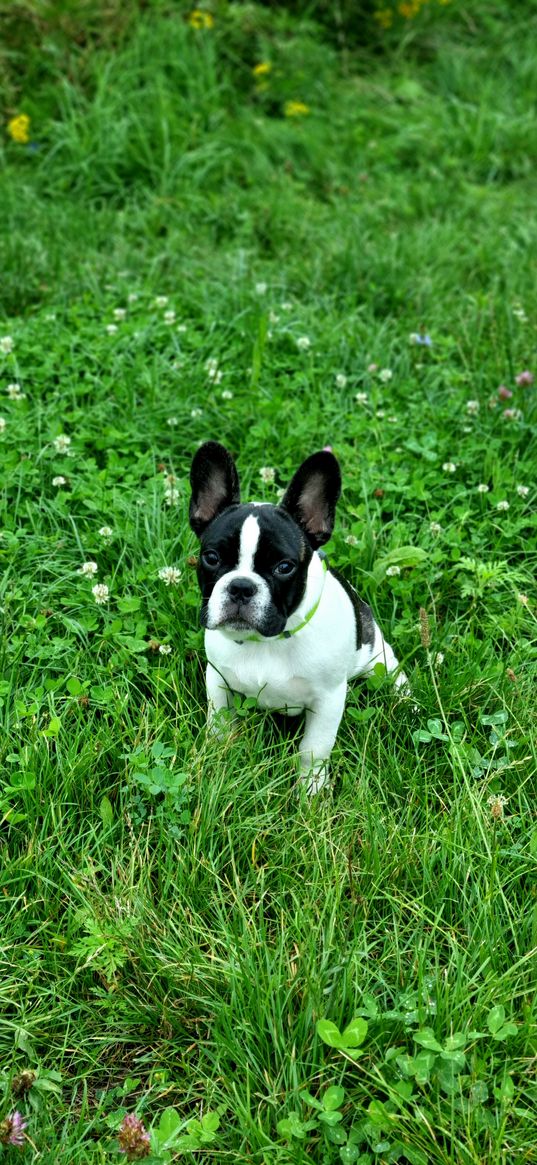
(495, 1018)
(355, 1032)
(330, 1118)
(328, 1032)
(427, 1039)
(106, 811)
(333, 1098)
(74, 687)
(508, 1029)
(169, 1124)
(291, 1126)
(457, 1040)
(210, 1122)
(436, 728)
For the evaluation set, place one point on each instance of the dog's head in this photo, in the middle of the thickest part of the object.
(254, 558)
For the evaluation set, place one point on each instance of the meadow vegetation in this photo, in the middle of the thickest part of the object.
(256, 224)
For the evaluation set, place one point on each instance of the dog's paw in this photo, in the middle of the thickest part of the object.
(315, 778)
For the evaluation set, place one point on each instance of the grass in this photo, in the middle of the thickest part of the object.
(176, 918)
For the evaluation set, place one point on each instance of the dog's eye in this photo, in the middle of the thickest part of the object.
(211, 559)
(284, 568)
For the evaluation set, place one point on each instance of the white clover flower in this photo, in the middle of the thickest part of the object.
(273, 318)
(6, 344)
(106, 531)
(211, 364)
(14, 392)
(3, 424)
(503, 505)
(512, 414)
(171, 495)
(391, 571)
(165, 649)
(523, 599)
(303, 343)
(449, 467)
(497, 803)
(172, 422)
(267, 474)
(438, 659)
(261, 288)
(286, 305)
(132, 297)
(61, 443)
(361, 398)
(195, 413)
(472, 407)
(385, 375)
(227, 394)
(88, 569)
(380, 414)
(182, 328)
(351, 540)
(111, 329)
(170, 575)
(522, 490)
(520, 314)
(435, 528)
(120, 313)
(169, 317)
(161, 301)
(341, 380)
(392, 420)
(372, 367)
(100, 593)
(59, 480)
(482, 488)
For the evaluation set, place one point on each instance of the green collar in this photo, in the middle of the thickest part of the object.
(306, 619)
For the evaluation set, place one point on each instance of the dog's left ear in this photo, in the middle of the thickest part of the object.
(311, 496)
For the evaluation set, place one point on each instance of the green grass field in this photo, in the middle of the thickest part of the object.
(257, 976)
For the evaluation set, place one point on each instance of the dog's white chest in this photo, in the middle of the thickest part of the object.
(267, 685)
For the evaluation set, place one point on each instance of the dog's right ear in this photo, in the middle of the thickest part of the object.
(215, 485)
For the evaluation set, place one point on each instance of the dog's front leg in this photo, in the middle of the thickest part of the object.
(322, 722)
(219, 699)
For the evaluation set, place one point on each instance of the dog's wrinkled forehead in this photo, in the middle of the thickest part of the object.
(254, 537)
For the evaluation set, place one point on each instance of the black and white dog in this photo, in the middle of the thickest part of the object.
(280, 624)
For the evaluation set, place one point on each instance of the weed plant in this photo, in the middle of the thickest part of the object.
(337, 248)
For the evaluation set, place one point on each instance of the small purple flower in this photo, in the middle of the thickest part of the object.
(12, 1130)
(421, 338)
(133, 1138)
(504, 392)
(524, 378)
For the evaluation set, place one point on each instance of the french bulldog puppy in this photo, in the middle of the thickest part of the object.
(280, 624)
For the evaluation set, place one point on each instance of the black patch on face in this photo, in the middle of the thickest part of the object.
(280, 541)
(363, 615)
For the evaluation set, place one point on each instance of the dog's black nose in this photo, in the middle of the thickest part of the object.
(241, 589)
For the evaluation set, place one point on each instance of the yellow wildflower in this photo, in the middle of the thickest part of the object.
(18, 128)
(384, 17)
(200, 19)
(262, 69)
(295, 108)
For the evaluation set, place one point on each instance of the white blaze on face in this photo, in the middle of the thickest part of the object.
(248, 545)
